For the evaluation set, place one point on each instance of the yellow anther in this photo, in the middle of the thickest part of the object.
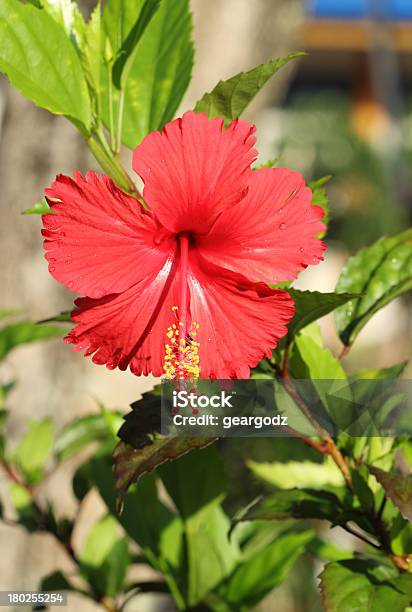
(181, 358)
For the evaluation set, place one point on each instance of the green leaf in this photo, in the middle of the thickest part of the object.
(157, 530)
(24, 333)
(401, 536)
(229, 98)
(79, 433)
(161, 69)
(389, 373)
(319, 363)
(131, 464)
(143, 448)
(127, 52)
(28, 514)
(362, 489)
(293, 503)
(364, 584)
(380, 273)
(35, 449)
(104, 558)
(56, 581)
(81, 483)
(253, 579)
(86, 38)
(309, 359)
(312, 305)
(398, 488)
(41, 62)
(298, 474)
(90, 54)
(40, 208)
(327, 551)
(210, 554)
(320, 198)
(67, 14)
(205, 471)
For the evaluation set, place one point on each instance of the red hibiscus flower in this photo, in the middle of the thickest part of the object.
(195, 262)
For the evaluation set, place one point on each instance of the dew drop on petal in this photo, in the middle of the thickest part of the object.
(70, 284)
(282, 226)
(280, 211)
(302, 250)
(52, 268)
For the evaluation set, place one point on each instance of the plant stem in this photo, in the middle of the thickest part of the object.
(344, 352)
(120, 112)
(111, 117)
(112, 166)
(109, 604)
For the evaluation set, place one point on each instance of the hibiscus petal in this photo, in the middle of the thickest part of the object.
(128, 328)
(270, 235)
(195, 168)
(99, 240)
(239, 322)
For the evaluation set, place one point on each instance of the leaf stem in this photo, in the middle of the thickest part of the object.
(101, 151)
(344, 352)
(111, 116)
(120, 112)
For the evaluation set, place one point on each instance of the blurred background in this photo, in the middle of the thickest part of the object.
(344, 110)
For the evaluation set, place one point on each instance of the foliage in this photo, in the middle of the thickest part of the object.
(379, 273)
(230, 98)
